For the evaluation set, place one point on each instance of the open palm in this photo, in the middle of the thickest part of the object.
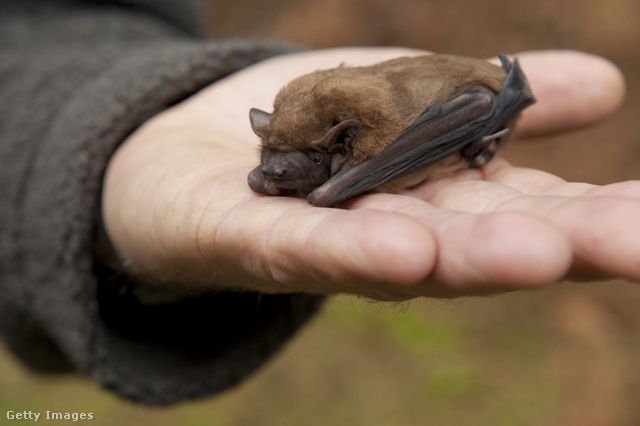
(179, 212)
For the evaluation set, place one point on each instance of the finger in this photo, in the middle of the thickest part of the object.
(530, 181)
(605, 233)
(481, 253)
(297, 247)
(477, 190)
(601, 223)
(374, 246)
(573, 89)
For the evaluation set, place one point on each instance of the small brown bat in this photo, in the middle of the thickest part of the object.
(338, 133)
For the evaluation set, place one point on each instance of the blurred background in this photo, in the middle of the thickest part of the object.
(565, 355)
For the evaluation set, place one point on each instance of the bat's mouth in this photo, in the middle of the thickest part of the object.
(280, 179)
(292, 184)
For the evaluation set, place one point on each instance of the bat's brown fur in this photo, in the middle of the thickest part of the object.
(386, 98)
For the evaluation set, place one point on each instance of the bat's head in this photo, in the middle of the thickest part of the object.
(300, 167)
(321, 123)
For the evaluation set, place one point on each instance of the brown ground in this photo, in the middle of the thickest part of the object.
(566, 355)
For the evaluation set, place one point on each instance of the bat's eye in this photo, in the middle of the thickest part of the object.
(317, 159)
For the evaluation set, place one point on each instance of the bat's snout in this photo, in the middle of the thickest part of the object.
(259, 184)
(274, 171)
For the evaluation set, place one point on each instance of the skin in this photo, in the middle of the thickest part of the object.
(178, 210)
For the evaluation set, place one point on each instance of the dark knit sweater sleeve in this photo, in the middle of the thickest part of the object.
(76, 78)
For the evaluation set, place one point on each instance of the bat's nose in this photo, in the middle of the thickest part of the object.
(274, 172)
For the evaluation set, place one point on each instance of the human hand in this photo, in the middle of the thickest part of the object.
(178, 209)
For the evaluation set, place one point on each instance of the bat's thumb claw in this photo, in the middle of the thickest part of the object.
(321, 197)
(497, 135)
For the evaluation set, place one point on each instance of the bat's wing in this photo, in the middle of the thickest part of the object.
(467, 124)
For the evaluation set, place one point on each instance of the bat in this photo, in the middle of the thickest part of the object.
(337, 133)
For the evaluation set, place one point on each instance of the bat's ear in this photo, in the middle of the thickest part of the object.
(259, 121)
(337, 141)
(338, 138)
